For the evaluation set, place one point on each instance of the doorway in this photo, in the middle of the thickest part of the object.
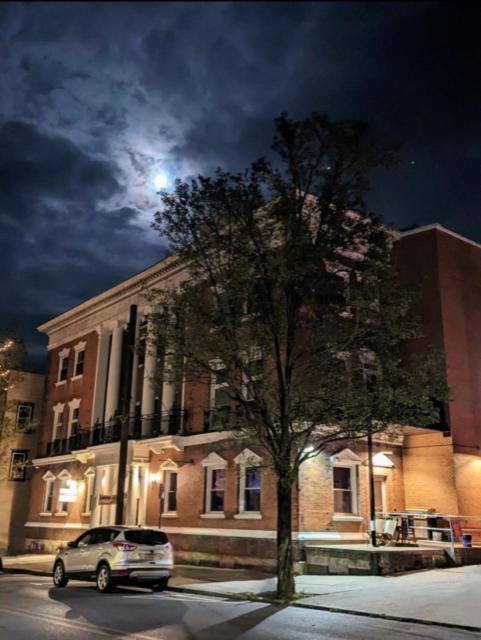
(380, 498)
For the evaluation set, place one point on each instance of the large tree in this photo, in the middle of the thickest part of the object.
(292, 302)
(11, 356)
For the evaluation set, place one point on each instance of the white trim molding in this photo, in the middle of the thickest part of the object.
(214, 460)
(267, 534)
(58, 525)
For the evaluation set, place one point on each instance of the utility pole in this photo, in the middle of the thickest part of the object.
(126, 386)
(372, 503)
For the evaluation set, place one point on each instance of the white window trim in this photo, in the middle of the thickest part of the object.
(49, 480)
(217, 365)
(73, 404)
(254, 355)
(213, 462)
(354, 514)
(246, 459)
(57, 411)
(61, 356)
(89, 490)
(63, 475)
(24, 403)
(78, 348)
(167, 480)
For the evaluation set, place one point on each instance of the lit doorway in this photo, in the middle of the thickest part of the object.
(380, 493)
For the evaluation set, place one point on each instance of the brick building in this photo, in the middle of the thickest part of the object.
(219, 501)
(23, 405)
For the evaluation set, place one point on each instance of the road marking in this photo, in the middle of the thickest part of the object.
(183, 596)
(78, 624)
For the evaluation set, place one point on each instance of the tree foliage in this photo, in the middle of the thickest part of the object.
(292, 300)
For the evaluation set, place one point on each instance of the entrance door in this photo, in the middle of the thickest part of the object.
(380, 493)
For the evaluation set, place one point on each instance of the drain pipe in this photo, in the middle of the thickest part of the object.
(372, 504)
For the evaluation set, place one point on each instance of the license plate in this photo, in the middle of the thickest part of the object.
(158, 555)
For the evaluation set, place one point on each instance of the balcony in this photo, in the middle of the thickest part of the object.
(141, 427)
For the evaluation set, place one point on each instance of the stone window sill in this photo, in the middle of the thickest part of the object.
(79, 377)
(248, 515)
(170, 514)
(348, 517)
(86, 514)
(45, 513)
(215, 515)
(59, 383)
(61, 513)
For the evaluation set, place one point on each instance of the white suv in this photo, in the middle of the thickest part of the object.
(113, 554)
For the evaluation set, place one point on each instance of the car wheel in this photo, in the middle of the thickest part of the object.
(59, 576)
(104, 578)
(161, 585)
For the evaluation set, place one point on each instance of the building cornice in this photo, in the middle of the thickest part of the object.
(119, 292)
(438, 227)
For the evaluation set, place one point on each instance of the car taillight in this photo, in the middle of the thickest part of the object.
(124, 546)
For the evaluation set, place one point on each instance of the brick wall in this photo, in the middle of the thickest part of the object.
(81, 388)
(429, 473)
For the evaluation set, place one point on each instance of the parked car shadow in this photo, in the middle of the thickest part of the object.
(115, 611)
(130, 610)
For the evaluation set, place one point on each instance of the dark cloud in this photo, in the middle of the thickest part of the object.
(97, 98)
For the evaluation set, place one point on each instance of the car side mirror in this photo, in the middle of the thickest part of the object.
(72, 544)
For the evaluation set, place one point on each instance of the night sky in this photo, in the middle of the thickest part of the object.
(98, 99)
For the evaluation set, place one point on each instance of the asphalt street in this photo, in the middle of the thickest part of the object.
(30, 607)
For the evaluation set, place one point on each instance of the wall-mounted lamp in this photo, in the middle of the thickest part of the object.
(155, 477)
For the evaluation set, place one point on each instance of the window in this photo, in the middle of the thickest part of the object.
(24, 414)
(63, 365)
(78, 367)
(215, 478)
(253, 374)
(252, 489)
(64, 488)
(73, 420)
(219, 396)
(49, 480)
(215, 490)
(249, 484)
(145, 536)
(58, 412)
(89, 491)
(18, 461)
(253, 303)
(345, 489)
(170, 495)
(85, 539)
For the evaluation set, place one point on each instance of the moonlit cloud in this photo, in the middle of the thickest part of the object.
(99, 99)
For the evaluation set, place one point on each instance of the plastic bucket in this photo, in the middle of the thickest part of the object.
(467, 539)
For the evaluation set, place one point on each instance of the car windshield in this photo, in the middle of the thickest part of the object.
(145, 536)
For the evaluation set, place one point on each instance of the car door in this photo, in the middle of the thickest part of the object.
(98, 544)
(75, 556)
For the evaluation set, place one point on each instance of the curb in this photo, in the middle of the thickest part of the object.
(299, 605)
(331, 609)
(31, 572)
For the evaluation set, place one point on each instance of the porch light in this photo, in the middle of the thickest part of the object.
(155, 477)
(381, 460)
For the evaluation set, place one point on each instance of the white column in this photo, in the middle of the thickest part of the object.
(115, 362)
(95, 516)
(143, 493)
(135, 374)
(98, 407)
(148, 390)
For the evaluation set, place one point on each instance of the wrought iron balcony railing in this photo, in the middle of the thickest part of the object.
(143, 427)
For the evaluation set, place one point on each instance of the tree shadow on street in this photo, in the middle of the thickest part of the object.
(235, 627)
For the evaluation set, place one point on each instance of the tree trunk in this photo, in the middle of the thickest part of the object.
(285, 572)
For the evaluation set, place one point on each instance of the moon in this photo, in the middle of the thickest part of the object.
(160, 180)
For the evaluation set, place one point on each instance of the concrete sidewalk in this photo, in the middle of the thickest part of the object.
(448, 597)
